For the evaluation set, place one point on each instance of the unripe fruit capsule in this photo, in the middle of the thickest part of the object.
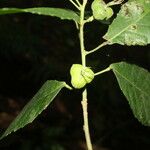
(100, 10)
(109, 12)
(80, 76)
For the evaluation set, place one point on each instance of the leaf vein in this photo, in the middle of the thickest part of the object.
(131, 83)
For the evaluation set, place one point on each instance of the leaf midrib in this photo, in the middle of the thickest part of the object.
(129, 26)
(134, 85)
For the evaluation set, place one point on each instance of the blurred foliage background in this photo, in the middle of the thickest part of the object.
(34, 49)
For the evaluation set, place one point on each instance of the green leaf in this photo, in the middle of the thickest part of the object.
(134, 82)
(37, 104)
(132, 24)
(55, 12)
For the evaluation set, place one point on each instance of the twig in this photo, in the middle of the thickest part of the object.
(75, 4)
(90, 19)
(78, 2)
(97, 48)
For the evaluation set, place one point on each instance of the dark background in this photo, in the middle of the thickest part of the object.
(34, 49)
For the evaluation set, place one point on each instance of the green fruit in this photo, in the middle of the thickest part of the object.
(88, 74)
(77, 79)
(109, 12)
(80, 76)
(100, 10)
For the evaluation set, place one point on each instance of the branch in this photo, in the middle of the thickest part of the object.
(97, 48)
(77, 1)
(75, 4)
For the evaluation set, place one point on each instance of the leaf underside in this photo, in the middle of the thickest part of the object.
(134, 82)
(36, 105)
(54, 12)
(132, 24)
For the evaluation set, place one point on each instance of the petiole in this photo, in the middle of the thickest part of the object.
(103, 71)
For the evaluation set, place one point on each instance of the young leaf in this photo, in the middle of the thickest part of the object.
(37, 104)
(134, 82)
(54, 12)
(132, 24)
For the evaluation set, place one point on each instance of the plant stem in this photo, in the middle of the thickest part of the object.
(97, 48)
(100, 72)
(90, 19)
(81, 34)
(84, 94)
(75, 4)
(85, 116)
(78, 2)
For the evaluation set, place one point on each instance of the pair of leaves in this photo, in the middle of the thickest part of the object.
(133, 81)
(51, 88)
(131, 26)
